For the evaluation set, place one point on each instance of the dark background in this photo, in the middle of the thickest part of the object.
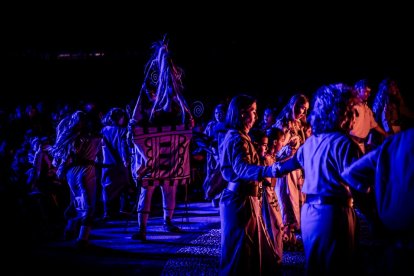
(268, 51)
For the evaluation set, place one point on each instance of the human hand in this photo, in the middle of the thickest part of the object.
(294, 142)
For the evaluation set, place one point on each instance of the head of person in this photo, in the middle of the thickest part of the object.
(276, 139)
(393, 87)
(299, 104)
(115, 117)
(78, 120)
(332, 109)
(85, 123)
(220, 113)
(260, 141)
(362, 90)
(296, 109)
(242, 113)
(269, 116)
(388, 92)
(388, 88)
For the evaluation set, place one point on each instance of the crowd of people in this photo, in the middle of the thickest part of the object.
(292, 179)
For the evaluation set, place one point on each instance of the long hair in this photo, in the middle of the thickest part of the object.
(113, 116)
(70, 129)
(162, 83)
(384, 97)
(332, 109)
(238, 105)
(287, 113)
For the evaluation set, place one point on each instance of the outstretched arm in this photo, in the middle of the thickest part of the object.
(281, 168)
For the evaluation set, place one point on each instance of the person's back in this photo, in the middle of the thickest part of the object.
(388, 170)
(328, 217)
(77, 148)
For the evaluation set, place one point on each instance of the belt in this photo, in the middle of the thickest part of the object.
(245, 188)
(329, 200)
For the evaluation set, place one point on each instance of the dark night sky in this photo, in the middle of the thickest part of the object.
(264, 52)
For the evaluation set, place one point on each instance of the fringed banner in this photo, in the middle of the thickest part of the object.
(167, 150)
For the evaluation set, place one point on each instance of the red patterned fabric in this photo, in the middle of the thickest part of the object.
(167, 152)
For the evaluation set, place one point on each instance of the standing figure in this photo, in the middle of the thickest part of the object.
(246, 247)
(388, 171)
(272, 217)
(328, 218)
(364, 119)
(212, 130)
(161, 125)
(116, 183)
(292, 121)
(75, 151)
(48, 193)
(390, 110)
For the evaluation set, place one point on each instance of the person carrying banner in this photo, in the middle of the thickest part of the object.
(160, 127)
